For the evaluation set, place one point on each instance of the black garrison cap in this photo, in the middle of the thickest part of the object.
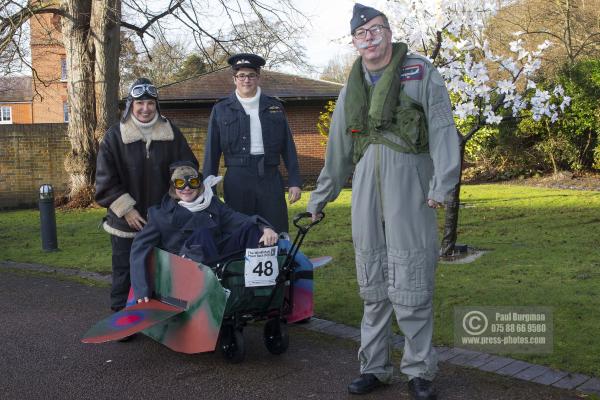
(246, 60)
(361, 15)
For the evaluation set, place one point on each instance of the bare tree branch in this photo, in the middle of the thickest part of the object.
(142, 30)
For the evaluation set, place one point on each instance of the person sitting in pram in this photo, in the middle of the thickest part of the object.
(192, 222)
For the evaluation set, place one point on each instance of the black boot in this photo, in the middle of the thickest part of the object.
(364, 384)
(421, 389)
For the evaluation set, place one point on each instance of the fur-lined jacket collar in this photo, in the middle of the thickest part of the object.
(161, 130)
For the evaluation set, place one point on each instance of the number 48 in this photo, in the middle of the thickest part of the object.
(267, 270)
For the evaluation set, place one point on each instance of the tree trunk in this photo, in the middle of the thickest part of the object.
(80, 161)
(451, 217)
(91, 40)
(105, 24)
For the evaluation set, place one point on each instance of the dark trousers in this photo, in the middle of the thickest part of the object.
(121, 248)
(202, 247)
(254, 191)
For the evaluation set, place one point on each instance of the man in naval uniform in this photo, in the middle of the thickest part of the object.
(251, 130)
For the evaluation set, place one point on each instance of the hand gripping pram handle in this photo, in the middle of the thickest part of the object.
(305, 228)
(287, 269)
(302, 231)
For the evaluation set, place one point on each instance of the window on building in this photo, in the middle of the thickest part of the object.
(63, 69)
(5, 115)
(66, 111)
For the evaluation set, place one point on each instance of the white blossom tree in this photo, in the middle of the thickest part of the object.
(485, 88)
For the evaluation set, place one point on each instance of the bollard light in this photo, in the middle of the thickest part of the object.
(48, 218)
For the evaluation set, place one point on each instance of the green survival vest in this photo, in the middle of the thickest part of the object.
(373, 110)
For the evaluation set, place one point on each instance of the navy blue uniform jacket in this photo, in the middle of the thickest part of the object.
(229, 134)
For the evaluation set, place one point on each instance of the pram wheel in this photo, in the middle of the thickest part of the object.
(276, 336)
(232, 344)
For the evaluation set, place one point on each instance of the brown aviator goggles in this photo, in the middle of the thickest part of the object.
(192, 181)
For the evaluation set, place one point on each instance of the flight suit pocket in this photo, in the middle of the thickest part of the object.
(441, 115)
(410, 277)
(410, 125)
(371, 276)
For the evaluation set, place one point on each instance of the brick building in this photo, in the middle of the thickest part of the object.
(16, 100)
(48, 59)
(40, 99)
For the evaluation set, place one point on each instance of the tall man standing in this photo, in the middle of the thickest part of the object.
(251, 130)
(393, 125)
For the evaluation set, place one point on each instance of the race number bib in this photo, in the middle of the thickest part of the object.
(261, 267)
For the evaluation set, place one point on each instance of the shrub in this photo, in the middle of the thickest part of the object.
(527, 147)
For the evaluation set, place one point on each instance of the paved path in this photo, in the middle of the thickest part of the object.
(41, 357)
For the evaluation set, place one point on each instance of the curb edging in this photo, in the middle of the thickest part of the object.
(475, 359)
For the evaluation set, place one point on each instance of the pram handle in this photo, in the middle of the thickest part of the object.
(305, 228)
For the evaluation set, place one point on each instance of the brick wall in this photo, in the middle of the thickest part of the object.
(31, 155)
(309, 143)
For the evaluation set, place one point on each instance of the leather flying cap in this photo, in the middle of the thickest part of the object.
(146, 87)
(246, 60)
(179, 169)
(143, 89)
(361, 15)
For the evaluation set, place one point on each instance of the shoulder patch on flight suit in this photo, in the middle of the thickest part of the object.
(411, 73)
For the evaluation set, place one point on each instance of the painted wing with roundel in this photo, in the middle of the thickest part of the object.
(130, 320)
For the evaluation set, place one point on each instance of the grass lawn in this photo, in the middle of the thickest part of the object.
(82, 242)
(543, 252)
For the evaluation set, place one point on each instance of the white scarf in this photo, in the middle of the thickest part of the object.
(251, 107)
(202, 201)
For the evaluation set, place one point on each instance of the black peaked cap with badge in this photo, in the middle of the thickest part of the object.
(246, 60)
(361, 15)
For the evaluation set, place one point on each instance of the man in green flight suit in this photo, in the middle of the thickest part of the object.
(393, 126)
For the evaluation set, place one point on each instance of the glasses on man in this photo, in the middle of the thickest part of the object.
(138, 90)
(375, 30)
(243, 77)
(192, 181)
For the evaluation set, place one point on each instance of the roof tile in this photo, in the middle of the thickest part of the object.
(218, 84)
(15, 89)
